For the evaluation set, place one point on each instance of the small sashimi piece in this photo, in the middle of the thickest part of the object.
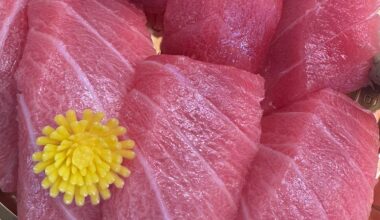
(196, 127)
(235, 33)
(321, 44)
(318, 160)
(13, 28)
(78, 55)
(154, 10)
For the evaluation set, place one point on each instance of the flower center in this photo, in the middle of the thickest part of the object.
(82, 157)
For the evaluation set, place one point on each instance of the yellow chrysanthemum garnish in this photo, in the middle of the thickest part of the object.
(83, 158)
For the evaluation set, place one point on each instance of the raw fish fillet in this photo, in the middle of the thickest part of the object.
(235, 33)
(13, 27)
(196, 127)
(321, 44)
(78, 55)
(318, 160)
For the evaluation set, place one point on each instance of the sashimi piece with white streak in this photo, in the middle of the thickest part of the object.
(196, 127)
(78, 55)
(321, 44)
(13, 27)
(227, 32)
(318, 160)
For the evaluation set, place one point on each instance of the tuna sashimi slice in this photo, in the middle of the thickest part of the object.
(78, 55)
(321, 44)
(13, 27)
(235, 33)
(317, 160)
(196, 127)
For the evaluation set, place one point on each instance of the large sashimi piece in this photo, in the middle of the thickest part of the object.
(235, 33)
(79, 54)
(318, 160)
(196, 127)
(321, 44)
(13, 27)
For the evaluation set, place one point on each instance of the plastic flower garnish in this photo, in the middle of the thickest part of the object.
(83, 158)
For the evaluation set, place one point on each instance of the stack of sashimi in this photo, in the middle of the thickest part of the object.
(244, 115)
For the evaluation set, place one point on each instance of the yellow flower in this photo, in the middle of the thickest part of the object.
(83, 158)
